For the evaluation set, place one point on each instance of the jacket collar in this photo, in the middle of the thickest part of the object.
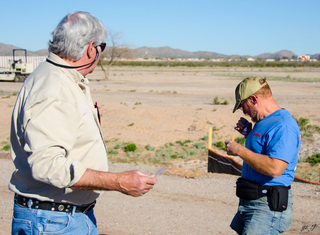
(71, 73)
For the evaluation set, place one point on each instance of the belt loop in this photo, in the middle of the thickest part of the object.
(30, 202)
(73, 210)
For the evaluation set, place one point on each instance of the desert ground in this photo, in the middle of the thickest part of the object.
(155, 106)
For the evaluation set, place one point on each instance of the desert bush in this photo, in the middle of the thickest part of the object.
(303, 123)
(174, 156)
(184, 156)
(241, 140)
(163, 153)
(225, 102)
(110, 152)
(130, 147)
(6, 147)
(220, 145)
(314, 159)
(192, 152)
(306, 127)
(118, 146)
(183, 143)
(198, 146)
(149, 147)
(216, 101)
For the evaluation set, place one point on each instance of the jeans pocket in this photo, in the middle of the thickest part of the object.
(21, 226)
(55, 223)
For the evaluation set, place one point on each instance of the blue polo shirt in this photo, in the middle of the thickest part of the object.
(277, 136)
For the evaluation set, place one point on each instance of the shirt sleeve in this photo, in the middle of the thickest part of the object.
(282, 143)
(50, 132)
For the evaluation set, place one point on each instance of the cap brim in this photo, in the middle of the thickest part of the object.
(236, 106)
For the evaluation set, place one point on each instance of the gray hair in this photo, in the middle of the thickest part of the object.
(74, 32)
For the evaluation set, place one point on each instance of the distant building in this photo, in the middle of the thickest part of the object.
(216, 60)
(304, 57)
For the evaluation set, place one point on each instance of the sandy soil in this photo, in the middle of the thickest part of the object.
(159, 105)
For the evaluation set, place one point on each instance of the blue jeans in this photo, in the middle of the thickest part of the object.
(31, 221)
(255, 217)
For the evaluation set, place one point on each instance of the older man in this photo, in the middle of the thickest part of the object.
(56, 144)
(270, 158)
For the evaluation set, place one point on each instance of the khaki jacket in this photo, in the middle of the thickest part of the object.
(55, 135)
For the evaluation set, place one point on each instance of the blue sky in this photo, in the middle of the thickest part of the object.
(243, 27)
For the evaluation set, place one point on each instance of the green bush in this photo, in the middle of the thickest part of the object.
(226, 102)
(174, 156)
(130, 147)
(241, 140)
(149, 147)
(303, 123)
(220, 144)
(314, 159)
(198, 146)
(117, 146)
(112, 152)
(216, 100)
(6, 147)
(192, 152)
(183, 143)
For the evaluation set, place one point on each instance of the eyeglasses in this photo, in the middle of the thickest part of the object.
(102, 46)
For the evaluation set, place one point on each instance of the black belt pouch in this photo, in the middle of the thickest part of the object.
(247, 189)
(278, 196)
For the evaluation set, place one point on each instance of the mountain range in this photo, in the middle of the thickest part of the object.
(168, 52)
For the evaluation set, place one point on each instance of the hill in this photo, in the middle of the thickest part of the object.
(168, 52)
(279, 54)
(6, 50)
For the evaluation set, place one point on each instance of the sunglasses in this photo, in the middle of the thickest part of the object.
(102, 46)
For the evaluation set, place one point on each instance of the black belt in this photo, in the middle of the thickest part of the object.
(51, 206)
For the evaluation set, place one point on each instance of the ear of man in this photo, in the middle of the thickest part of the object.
(253, 99)
(91, 51)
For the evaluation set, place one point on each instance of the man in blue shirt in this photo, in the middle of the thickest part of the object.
(270, 158)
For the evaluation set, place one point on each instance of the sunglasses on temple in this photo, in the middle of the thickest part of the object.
(102, 46)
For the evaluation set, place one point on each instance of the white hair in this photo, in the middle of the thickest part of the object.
(74, 32)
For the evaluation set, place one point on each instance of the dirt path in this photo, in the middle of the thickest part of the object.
(177, 205)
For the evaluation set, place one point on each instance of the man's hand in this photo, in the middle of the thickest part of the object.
(232, 148)
(242, 123)
(135, 183)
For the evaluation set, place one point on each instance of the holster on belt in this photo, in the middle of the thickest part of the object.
(250, 190)
(277, 195)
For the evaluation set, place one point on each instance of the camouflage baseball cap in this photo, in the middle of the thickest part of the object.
(246, 88)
